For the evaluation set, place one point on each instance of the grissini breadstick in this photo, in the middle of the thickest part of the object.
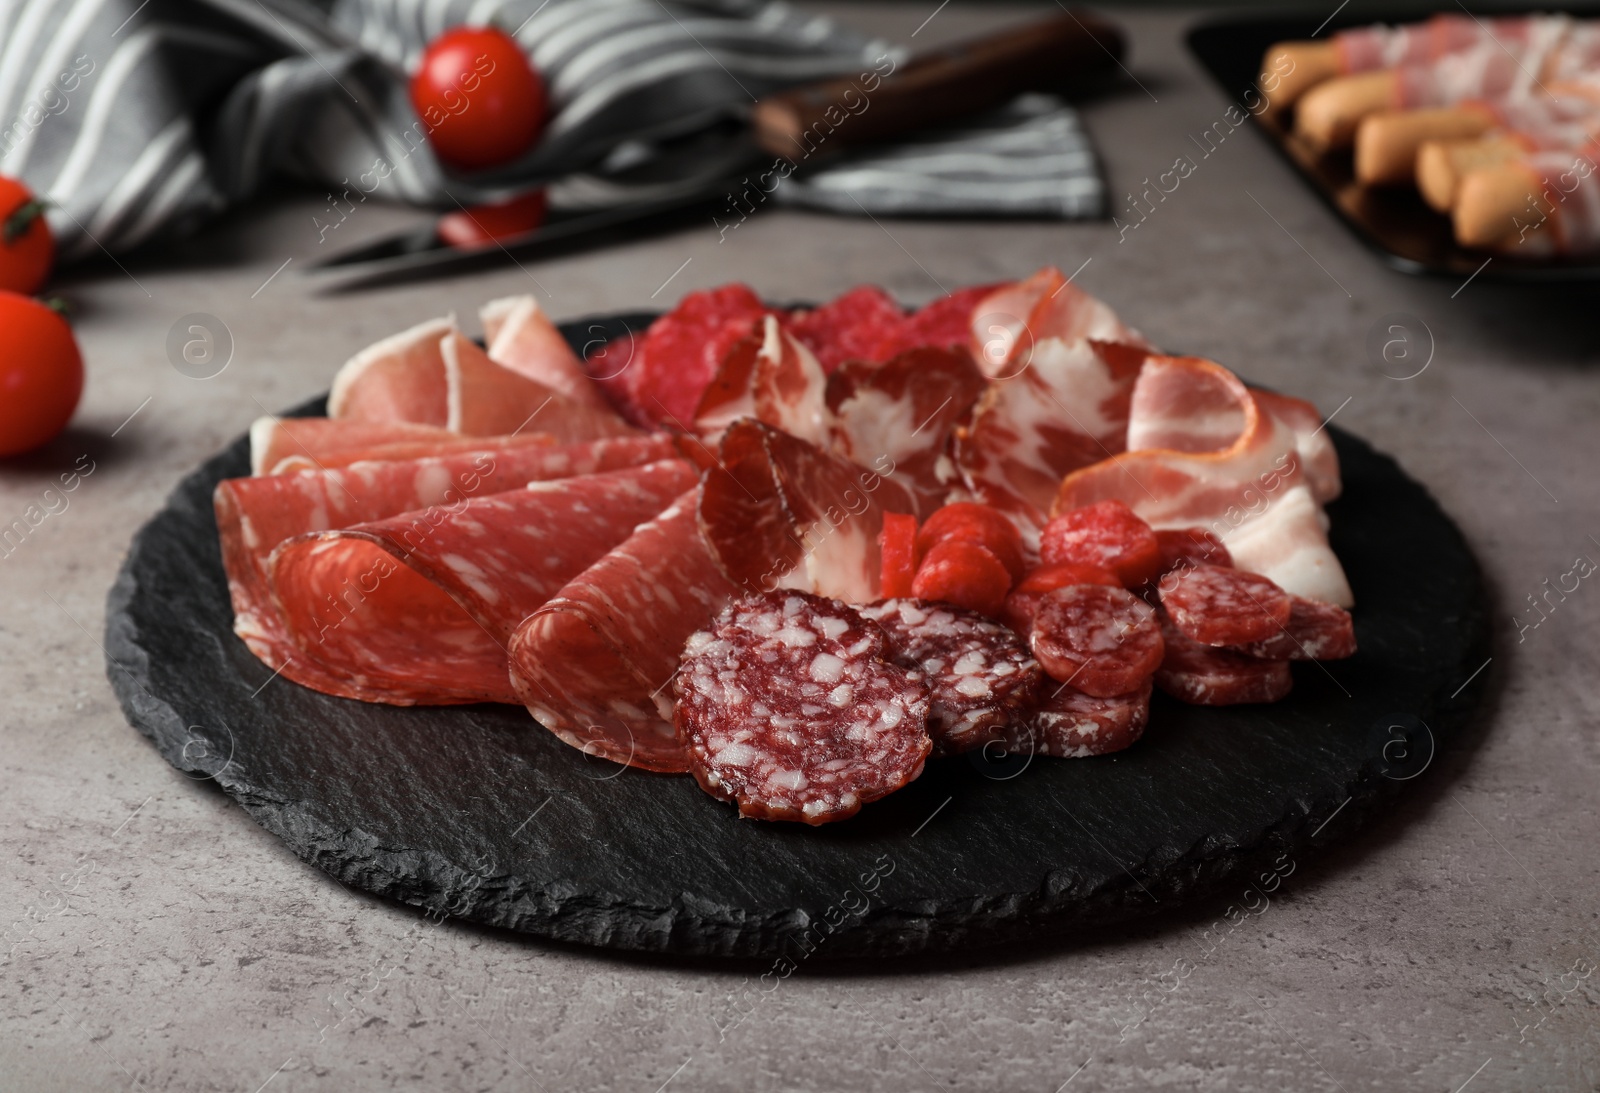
(1387, 143)
(1442, 163)
(1290, 69)
(1328, 114)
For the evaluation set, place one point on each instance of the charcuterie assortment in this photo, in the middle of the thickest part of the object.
(795, 553)
(1494, 120)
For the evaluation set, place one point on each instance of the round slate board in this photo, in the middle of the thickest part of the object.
(480, 813)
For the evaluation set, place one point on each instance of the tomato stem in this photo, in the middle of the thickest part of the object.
(21, 219)
(58, 304)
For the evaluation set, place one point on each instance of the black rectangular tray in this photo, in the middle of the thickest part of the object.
(1395, 223)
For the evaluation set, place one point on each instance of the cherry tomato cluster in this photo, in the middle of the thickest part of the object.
(41, 370)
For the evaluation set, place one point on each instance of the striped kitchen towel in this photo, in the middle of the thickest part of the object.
(139, 119)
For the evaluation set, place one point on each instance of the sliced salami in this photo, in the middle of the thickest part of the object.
(1103, 641)
(275, 439)
(1184, 547)
(1315, 631)
(981, 678)
(1070, 724)
(1203, 675)
(595, 665)
(419, 608)
(1217, 606)
(254, 515)
(790, 708)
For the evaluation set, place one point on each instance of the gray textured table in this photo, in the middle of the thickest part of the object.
(176, 945)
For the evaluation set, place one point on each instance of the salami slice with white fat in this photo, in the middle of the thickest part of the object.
(1220, 606)
(1103, 641)
(1315, 631)
(790, 708)
(419, 608)
(254, 515)
(1203, 675)
(981, 677)
(1069, 724)
(595, 665)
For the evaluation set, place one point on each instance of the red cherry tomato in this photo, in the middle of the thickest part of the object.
(481, 100)
(41, 374)
(965, 574)
(482, 225)
(899, 555)
(1107, 534)
(970, 522)
(27, 249)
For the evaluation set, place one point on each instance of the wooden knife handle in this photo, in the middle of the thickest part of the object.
(1067, 52)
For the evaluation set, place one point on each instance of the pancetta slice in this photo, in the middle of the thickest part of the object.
(255, 515)
(905, 409)
(521, 337)
(420, 607)
(774, 379)
(1254, 493)
(779, 512)
(595, 664)
(1066, 409)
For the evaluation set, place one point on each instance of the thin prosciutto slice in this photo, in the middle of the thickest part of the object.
(595, 664)
(414, 449)
(1008, 323)
(254, 515)
(433, 375)
(779, 512)
(905, 410)
(1066, 409)
(275, 439)
(420, 607)
(774, 379)
(1253, 492)
(521, 337)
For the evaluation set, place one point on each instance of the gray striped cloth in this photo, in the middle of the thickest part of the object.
(139, 119)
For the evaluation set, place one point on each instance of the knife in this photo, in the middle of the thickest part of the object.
(666, 183)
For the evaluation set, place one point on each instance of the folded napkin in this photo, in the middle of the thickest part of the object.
(139, 119)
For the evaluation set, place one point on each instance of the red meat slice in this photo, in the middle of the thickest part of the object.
(1217, 606)
(254, 515)
(314, 439)
(1070, 724)
(790, 708)
(1315, 631)
(981, 678)
(946, 321)
(594, 664)
(1203, 675)
(1103, 641)
(419, 608)
(1106, 534)
(864, 324)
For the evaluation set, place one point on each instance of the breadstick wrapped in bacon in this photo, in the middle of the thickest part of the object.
(1542, 204)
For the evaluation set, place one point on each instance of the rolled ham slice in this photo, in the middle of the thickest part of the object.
(1254, 493)
(595, 664)
(255, 515)
(420, 607)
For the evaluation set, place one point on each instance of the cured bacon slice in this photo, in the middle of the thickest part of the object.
(521, 337)
(773, 379)
(1365, 49)
(419, 608)
(275, 439)
(254, 515)
(905, 410)
(594, 665)
(779, 512)
(1068, 408)
(1253, 494)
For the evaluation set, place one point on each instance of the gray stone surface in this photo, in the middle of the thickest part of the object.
(176, 945)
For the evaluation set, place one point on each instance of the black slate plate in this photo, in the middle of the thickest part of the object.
(1394, 222)
(480, 813)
